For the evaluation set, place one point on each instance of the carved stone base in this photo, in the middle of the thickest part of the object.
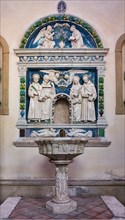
(60, 200)
(61, 208)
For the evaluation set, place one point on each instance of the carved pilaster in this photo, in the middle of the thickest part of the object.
(22, 109)
(101, 105)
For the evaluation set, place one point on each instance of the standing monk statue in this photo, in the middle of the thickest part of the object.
(75, 94)
(88, 93)
(34, 113)
(47, 95)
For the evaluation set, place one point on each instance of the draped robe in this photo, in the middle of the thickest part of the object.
(89, 95)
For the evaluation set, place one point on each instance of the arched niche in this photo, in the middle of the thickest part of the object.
(4, 77)
(120, 74)
(90, 36)
(62, 109)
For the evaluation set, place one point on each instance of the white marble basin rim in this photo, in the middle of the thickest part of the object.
(61, 148)
(61, 139)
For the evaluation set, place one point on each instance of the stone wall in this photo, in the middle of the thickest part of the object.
(38, 188)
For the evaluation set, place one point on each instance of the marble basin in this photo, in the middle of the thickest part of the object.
(61, 148)
(61, 151)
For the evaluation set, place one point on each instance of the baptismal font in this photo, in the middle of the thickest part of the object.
(61, 151)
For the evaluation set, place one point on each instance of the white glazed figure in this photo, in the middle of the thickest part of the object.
(48, 40)
(45, 38)
(34, 91)
(75, 95)
(48, 93)
(76, 38)
(89, 95)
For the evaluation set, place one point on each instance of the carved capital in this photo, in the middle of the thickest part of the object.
(22, 70)
(101, 70)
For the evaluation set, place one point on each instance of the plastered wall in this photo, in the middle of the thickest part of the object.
(107, 17)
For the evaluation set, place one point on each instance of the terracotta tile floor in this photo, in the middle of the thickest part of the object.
(88, 208)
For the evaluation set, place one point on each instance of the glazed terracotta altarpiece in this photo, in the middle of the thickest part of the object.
(61, 69)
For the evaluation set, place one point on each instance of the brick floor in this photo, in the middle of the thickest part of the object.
(88, 208)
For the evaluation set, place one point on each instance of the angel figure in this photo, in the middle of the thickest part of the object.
(34, 91)
(79, 133)
(73, 72)
(53, 74)
(44, 38)
(44, 133)
(76, 38)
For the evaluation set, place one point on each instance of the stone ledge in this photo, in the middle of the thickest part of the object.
(50, 182)
(59, 51)
(92, 142)
(22, 124)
